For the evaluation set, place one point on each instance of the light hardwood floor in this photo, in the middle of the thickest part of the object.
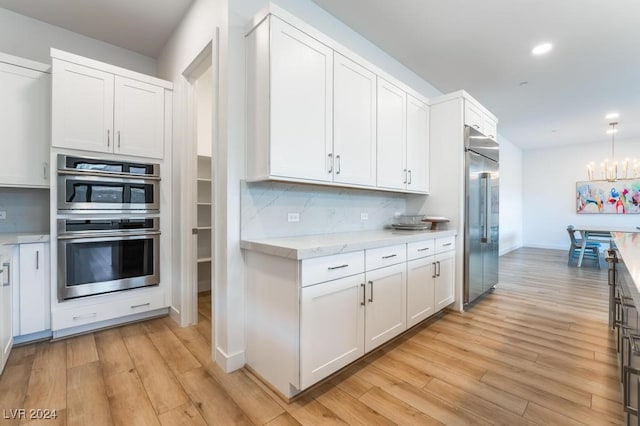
(536, 351)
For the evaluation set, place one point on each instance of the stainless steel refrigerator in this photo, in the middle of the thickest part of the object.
(481, 230)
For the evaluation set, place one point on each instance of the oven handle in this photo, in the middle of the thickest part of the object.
(124, 235)
(107, 174)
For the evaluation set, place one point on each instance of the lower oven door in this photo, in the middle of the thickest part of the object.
(90, 265)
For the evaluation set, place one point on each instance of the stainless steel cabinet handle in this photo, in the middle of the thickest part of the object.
(423, 249)
(409, 178)
(389, 256)
(330, 163)
(438, 262)
(405, 175)
(118, 138)
(371, 294)
(44, 171)
(91, 315)
(491, 137)
(8, 266)
(364, 297)
(141, 305)
(446, 244)
(476, 126)
(434, 270)
(331, 268)
(37, 259)
(108, 137)
(338, 164)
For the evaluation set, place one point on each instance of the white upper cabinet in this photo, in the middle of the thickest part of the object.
(475, 116)
(354, 125)
(403, 140)
(98, 110)
(300, 105)
(392, 119)
(417, 145)
(317, 113)
(25, 123)
(82, 108)
(138, 118)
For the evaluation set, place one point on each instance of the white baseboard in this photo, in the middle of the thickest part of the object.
(175, 314)
(229, 363)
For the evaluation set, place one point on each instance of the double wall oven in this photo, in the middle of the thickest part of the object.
(108, 226)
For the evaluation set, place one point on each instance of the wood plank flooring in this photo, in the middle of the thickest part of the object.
(536, 351)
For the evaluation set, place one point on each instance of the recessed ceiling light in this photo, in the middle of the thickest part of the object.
(612, 115)
(542, 48)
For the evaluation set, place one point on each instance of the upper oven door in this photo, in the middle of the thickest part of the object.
(79, 192)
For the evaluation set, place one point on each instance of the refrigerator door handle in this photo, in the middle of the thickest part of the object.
(485, 230)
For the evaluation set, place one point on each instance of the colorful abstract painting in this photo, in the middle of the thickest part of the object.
(601, 196)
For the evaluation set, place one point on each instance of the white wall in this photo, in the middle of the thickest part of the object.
(510, 196)
(549, 191)
(32, 39)
(204, 93)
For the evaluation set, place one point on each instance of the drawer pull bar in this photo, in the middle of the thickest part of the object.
(446, 244)
(423, 249)
(87, 316)
(141, 305)
(331, 268)
(389, 256)
(371, 294)
(364, 295)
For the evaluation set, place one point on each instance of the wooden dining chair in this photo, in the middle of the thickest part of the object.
(592, 250)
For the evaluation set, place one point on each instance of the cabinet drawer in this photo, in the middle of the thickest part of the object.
(421, 249)
(385, 256)
(445, 244)
(81, 315)
(326, 268)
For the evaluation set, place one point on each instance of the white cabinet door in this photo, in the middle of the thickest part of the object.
(386, 313)
(420, 289)
(392, 117)
(138, 118)
(472, 115)
(490, 127)
(35, 308)
(417, 145)
(82, 114)
(445, 279)
(354, 123)
(25, 122)
(301, 105)
(6, 330)
(331, 327)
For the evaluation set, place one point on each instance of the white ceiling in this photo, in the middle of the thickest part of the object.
(480, 46)
(143, 26)
(484, 47)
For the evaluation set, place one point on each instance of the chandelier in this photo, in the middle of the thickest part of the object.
(610, 169)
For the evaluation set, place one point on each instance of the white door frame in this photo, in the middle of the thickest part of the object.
(189, 288)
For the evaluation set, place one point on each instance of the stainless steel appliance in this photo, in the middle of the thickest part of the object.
(481, 230)
(100, 255)
(92, 184)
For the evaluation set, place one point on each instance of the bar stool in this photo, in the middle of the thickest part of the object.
(630, 393)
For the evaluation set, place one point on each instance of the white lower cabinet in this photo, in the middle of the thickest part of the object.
(444, 279)
(420, 289)
(32, 291)
(307, 319)
(331, 327)
(385, 314)
(6, 332)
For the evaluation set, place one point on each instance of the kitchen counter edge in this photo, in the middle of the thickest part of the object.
(23, 238)
(309, 246)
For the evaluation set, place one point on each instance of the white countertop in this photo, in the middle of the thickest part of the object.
(307, 246)
(628, 244)
(23, 238)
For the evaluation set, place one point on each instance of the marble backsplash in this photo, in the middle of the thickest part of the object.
(266, 205)
(27, 210)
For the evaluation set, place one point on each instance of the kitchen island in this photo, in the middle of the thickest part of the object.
(317, 303)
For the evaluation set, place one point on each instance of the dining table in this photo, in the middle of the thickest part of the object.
(599, 234)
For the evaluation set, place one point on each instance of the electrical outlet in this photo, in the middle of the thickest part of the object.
(364, 216)
(293, 217)
(3, 215)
